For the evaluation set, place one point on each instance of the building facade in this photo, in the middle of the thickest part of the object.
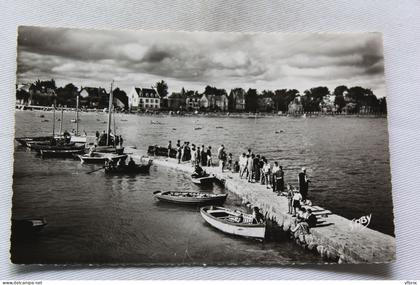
(237, 99)
(143, 99)
(295, 106)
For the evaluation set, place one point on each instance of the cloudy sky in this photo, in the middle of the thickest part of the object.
(194, 60)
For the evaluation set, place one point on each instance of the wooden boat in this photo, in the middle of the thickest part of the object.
(229, 221)
(68, 146)
(109, 149)
(60, 152)
(207, 179)
(28, 225)
(161, 151)
(24, 140)
(100, 158)
(136, 169)
(190, 198)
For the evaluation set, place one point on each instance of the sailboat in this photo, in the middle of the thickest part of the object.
(109, 145)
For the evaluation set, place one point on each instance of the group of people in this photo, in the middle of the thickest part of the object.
(257, 169)
(121, 163)
(252, 167)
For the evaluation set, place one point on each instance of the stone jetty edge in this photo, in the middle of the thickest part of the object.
(335, 240)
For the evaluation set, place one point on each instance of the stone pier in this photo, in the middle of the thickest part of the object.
(334, 239)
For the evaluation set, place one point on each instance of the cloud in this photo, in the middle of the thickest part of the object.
(193, 59)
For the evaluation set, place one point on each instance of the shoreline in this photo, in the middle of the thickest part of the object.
(234, 115)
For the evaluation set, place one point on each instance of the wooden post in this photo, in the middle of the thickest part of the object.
(109, 115)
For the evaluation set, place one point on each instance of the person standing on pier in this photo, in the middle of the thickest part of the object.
(203, 156)
(209, 158)
(303, 184)
(230, 162)
(257, 168)
(179, 153)
(169, 148)
(267, 173)
(250, 166)
(198, 156)
(275, 176)
(242, 165)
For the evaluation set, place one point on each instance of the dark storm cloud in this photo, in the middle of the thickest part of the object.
(195, 59)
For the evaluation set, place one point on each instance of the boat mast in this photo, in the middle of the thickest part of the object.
(115, 130)
(61, 121)
(109, 115)
(77, 115)
(53, 120)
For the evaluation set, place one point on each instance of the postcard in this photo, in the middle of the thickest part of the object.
(200, 148)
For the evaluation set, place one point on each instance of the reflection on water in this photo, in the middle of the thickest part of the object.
(97, 218)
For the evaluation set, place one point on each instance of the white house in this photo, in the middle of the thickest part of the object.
(143, 98)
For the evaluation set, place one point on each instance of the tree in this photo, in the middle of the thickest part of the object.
(66, 96)
(251, 100)
(339, 90)
(382, 105)
(162, 88)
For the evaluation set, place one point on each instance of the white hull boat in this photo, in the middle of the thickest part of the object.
(233, 222)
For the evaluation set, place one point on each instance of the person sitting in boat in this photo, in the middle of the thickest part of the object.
(198, 172)
(66, 136)
(131, 163)
(109, 164)
(240, 218)
(121, 162)
(91, 151)
(258, 218)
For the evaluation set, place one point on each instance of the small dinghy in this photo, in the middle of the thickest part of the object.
(126, 169)
(190, 198)
(28, 225)
(100, 158)
(203, 180)
(233, 222)
(60, 152)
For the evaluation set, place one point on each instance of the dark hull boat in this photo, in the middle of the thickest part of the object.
(190, 198)
(28, 225)
(136, 169)
(49, 146)
(161, 151)
(203, 180)
(24, 140)
(233, 222)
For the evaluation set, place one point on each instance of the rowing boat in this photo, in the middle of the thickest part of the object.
(204, 180)
(61, 152)
(233, 222)
(126, 169)
(190, 198)
(28, 225)
(100, 158)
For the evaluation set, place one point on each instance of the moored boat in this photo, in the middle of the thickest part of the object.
(28, 225)
(190, 198)
(24, 140)
(203, 180)
(100, 158)
(233, 222)
(109, 149)
(61, 152)
(127, 169)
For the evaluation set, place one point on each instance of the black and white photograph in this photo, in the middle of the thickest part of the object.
(160, 148)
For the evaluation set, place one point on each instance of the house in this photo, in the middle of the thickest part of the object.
(265, 104)
(295, 106)
(143, 99)
(176, 101)
(328, 104)
(214, 102)
(237, 99)
(193, 101)
(94, 97)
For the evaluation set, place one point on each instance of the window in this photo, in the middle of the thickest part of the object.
(156, 101)
(147, 100)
